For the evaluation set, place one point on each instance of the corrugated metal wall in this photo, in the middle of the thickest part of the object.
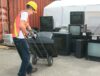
(3, 18)
(16, 6)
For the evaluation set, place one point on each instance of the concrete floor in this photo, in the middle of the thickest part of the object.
(63, 66)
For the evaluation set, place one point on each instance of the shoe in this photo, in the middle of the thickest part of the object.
(33, 70)
(29, 75)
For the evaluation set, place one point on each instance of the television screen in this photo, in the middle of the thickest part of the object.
(46, 23)
(77, 18)
(75, 30)
(93, 49)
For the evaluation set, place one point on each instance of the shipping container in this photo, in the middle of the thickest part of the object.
(4, 28)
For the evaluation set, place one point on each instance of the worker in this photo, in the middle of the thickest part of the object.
(20, 31)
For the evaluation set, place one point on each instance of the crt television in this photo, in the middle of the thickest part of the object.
(77, 17)
(93, 50)
(46, 23)
(62, 43)
(75, 29)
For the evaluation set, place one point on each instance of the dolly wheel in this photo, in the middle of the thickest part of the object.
(34, 60)
(50, 60)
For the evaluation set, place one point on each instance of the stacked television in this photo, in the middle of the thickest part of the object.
(82, 43)
(76, 29)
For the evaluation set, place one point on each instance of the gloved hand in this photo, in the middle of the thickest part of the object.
(33, 34)
(27, 35)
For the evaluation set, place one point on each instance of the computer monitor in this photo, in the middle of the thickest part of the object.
(75, 30)
(46, 23)
(77, 17)
(93, 50)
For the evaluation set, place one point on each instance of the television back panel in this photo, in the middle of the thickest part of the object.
(46, 23)
(77, 17)
(62, 43)
(80, 48)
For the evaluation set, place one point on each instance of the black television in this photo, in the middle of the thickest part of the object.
(77, 17)
(93, 50)
(62, 43)
(75, 30)
(46, 23)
